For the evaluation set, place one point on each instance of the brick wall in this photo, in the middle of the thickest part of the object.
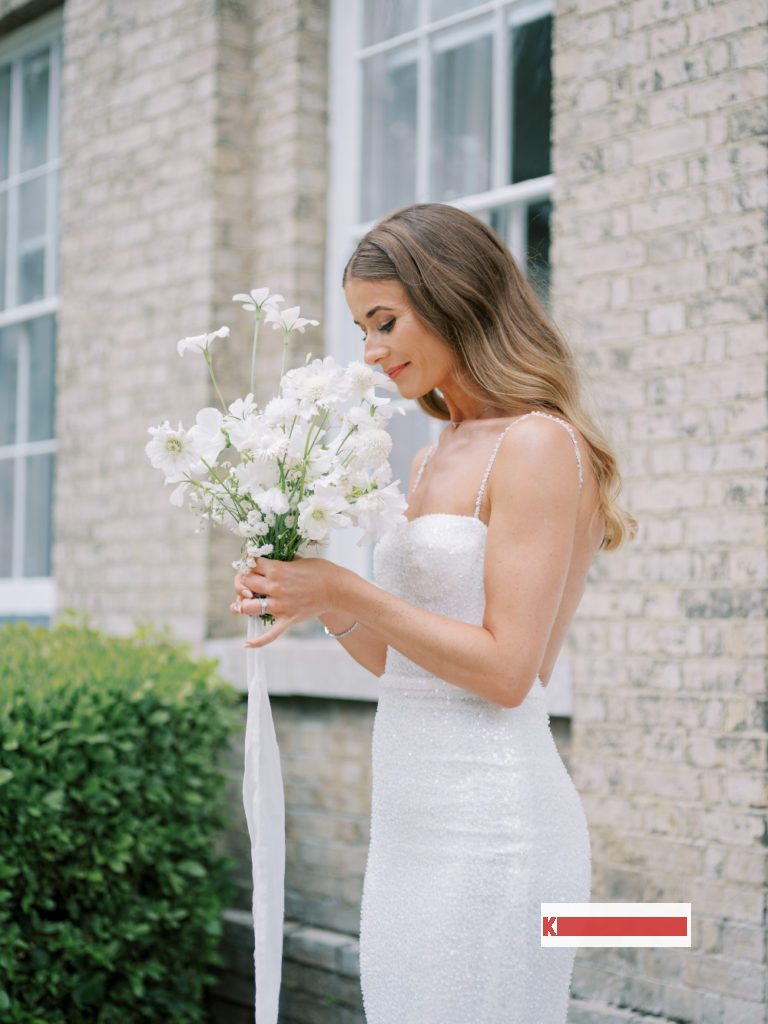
(659, 261)
(271, 191)
(137, 221)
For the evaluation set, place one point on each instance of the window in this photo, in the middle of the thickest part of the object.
(29, 130)
(436, 101)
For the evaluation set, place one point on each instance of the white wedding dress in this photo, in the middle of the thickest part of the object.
(475, 820)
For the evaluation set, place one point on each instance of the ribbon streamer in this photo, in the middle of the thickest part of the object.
(264, 804)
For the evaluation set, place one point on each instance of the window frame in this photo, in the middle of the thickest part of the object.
(31, 597)
(345, 149)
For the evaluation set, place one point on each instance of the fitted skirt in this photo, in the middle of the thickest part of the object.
(475, 821)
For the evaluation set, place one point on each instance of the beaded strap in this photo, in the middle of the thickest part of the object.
(423, 464)
(535, 412)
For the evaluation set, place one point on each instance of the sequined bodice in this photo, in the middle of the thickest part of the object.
(436, 561)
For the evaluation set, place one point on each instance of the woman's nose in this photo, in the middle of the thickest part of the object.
(374, 351)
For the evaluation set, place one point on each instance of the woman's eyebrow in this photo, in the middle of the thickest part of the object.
(370, 313)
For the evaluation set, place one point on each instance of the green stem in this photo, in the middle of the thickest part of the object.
(286, 336)
(223, 483)
(209, 363)
(253, 350)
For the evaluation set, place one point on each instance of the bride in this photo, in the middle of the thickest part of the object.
(475, 820)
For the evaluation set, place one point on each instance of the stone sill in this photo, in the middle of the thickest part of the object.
(306, 666)
(319, 667)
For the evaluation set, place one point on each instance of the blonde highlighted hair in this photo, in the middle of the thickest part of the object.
(462, 281)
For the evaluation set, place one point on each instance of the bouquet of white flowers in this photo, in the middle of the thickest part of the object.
(307, 464)
(314, 459)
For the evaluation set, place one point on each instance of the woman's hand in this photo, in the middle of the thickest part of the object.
(297, 590)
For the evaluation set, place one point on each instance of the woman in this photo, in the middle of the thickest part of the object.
(475, 820)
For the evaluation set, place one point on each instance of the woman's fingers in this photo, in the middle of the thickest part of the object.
(241, 586)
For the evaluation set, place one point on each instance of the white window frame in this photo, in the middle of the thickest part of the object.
(28, 596)
(344, 231)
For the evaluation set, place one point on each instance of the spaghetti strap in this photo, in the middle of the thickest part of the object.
(423, 464)
(534, 412)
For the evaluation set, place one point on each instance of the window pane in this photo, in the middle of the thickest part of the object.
(6, 515)
(34, 117)
(32, 209)
(42, 379)
(383, 19)
(31, 275)
(524, 229)
(38, 517)
(8, 378)
(389, 132)
(537, 253)
(461, 141)
(5, 115)
(444, 8)
(531, 48)
(3, 228)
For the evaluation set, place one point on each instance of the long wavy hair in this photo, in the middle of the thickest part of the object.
(462, 281)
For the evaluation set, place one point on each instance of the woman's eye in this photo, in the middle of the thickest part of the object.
(385, 328)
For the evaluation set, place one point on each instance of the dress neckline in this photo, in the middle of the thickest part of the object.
(446, 515)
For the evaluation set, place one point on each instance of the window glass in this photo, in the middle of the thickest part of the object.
(5, 113)
(383, 19)
(8, 385)
(388, 132)
(444, 8)
(461, 120)
(3, 243)
(6, 516)
(42, 378)
(537, 248)
(34, 109)
(531, 46)
(39, 506)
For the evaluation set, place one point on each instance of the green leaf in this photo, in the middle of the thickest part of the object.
(54, 800)
(5, 775)
(193, 868)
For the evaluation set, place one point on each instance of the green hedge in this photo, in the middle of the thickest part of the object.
(111, 889)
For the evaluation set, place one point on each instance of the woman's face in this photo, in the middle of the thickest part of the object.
(393, 335)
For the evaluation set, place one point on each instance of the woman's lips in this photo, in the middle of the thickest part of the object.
(398, 371)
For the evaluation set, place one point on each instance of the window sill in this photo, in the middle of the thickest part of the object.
(318, 667)
(307, 666)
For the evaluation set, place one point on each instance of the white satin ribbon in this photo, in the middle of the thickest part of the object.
(264, 804)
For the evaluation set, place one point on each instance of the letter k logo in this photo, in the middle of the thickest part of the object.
(549, 926)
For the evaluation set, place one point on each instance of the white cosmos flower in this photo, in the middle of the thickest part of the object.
(201, 342)
(206, 434)
(243, 407)
(253, 477)
(258, 299)
(322, 511)
(173, 451)
(177, 497)
(288, 320)
(272, 500)
(266, 444)
(378, 512)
